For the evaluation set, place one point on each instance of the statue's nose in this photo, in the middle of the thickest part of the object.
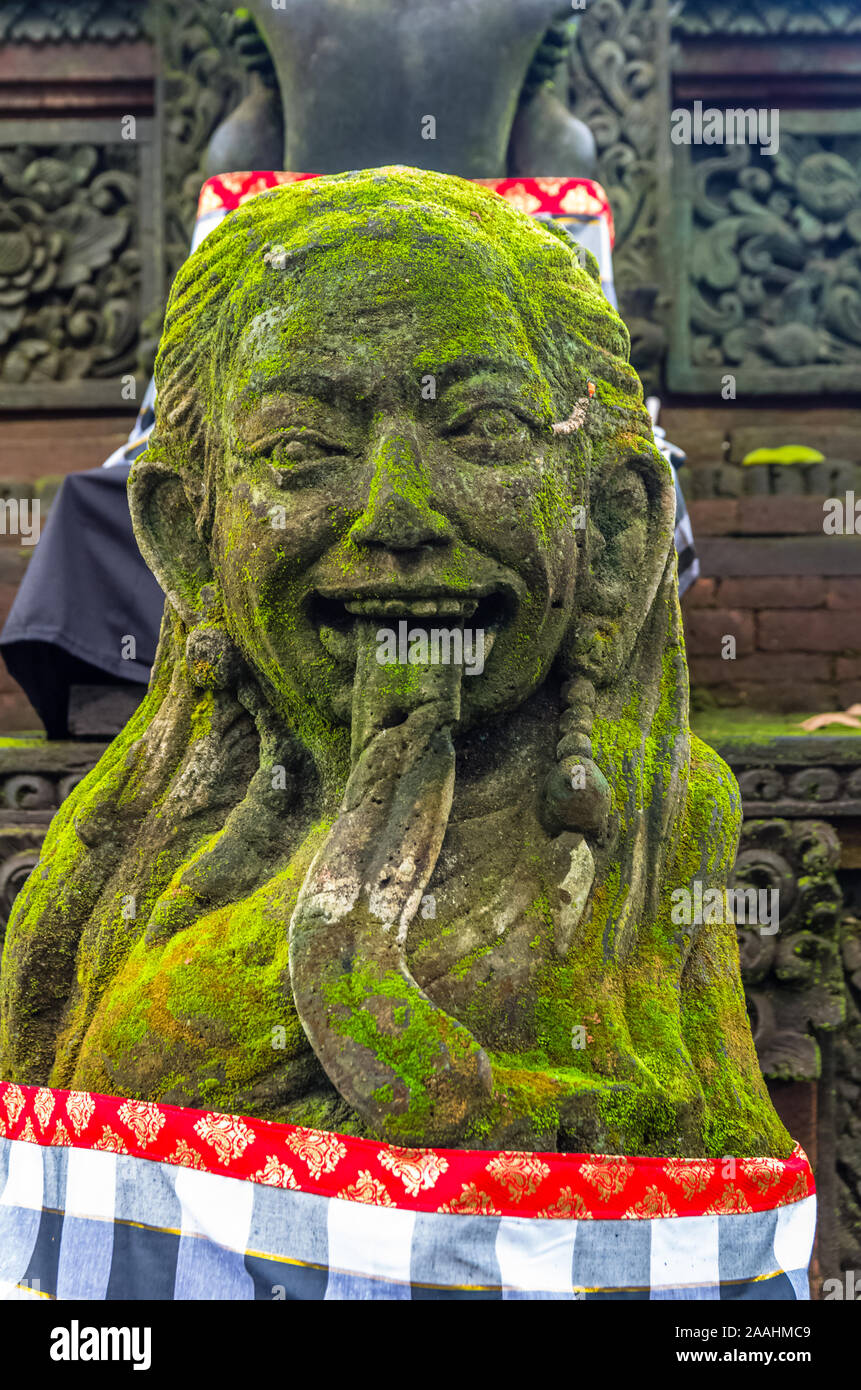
(399, 514)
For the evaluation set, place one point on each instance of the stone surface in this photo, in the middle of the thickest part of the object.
(308, 885)
(844, 594)
(100, 711)
(757, 516)
(445, 104)
(75, 275)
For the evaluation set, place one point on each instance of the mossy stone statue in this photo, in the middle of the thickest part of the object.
(418, 901)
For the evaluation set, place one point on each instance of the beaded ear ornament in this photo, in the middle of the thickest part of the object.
(576, 794)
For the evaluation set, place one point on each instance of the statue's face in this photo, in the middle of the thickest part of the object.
(389, 451)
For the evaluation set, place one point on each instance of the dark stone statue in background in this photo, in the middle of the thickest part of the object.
(327, 881)
(464, 88)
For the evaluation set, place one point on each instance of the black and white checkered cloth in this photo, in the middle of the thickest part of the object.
(81, 1224)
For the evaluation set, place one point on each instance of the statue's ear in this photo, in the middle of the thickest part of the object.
(167, 533)
(629, 539)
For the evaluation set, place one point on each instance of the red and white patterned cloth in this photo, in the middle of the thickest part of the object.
(556, 197)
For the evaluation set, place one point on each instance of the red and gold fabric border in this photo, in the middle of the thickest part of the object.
(229, 191)
(474, 1182)
(554, 197)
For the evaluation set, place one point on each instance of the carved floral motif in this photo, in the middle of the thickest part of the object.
(69, 262)
(53, 21)
(793, 977)
(775, 262)
(614, 87)
(764, 18)
(204, 80)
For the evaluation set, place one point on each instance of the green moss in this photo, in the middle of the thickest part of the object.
(465, 965)
(195, 999)
(411, 1051)
(742, 726)
(201, 716)
(785, 454)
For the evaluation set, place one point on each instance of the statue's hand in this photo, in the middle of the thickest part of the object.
(414, 1074)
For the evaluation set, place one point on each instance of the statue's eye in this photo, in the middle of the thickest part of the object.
(493, 434)
(293, 453)
(303, 445)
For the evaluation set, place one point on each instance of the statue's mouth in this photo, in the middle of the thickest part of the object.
(335, 613)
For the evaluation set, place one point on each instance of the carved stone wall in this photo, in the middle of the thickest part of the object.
(38, 21)
(771, 249)
(203, 78)
(97, 213)
(735, 260)
(76, 260)
(766, 18)
(618, 83)
(785, 318)
(793, 976)
(35, 777)
(803, 982)
(796, 991)
(80, 218)
(767, 246)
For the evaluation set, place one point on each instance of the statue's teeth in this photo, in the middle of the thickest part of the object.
(413, 608)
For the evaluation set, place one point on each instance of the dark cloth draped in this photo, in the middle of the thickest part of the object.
(85, 589)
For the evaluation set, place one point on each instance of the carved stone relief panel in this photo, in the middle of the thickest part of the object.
(79, 259)
(771, 249)
(34, 781)
(791, 969)
(58, 21)
(19, 855)
(765, 18)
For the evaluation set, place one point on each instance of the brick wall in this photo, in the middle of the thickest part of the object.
(787, 592)
(791, 598)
